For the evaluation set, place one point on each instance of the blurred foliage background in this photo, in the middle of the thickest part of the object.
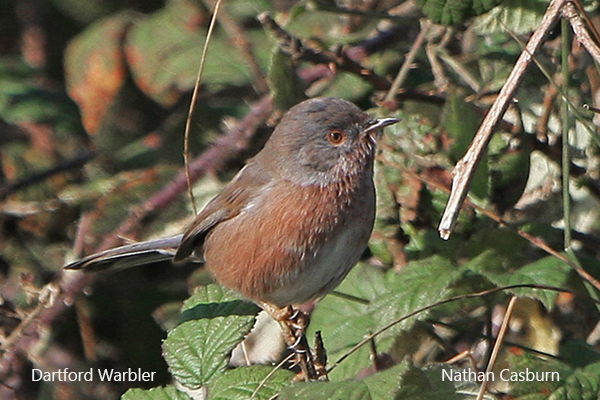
(94, 98)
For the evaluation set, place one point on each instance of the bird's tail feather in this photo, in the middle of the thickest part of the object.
(130, 255)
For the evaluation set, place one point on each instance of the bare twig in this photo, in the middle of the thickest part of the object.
(339, 60)
(497, 345)
(410, 57)
(10, 187)
(188, 122)
(581, 33)
(541, 129)
(46, 298)
(465, 167)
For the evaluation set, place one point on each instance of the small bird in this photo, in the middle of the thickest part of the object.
(294, 220)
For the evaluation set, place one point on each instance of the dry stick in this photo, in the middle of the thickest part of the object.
(188, 122)
(590, 24)
(590, 108)
(581, 33)
(541, 129)
(497, 345)
(472, 157)
(46, 298)
(459, 69)
(10, 187)
(465, 167)
(410, 57)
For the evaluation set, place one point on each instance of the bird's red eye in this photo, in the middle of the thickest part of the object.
(336, 137)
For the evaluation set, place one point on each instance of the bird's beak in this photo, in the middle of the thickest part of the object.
(379, 123)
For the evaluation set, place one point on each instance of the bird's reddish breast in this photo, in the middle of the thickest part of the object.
(255, 256)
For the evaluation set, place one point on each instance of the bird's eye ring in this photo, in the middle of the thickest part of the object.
(336, 137)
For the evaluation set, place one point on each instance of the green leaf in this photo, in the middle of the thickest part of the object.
(350, 390)
(380, 386)
(23, 102)
(286, 87)
(431, 383)
(419, 284)
(242, 383)
(509, 164)
(533, 389)
(548, 271)
(517, 16)
(157, 393)
(213, 301)
(385, 384)
(344, 322)
(164, 51)
(450, 12)
(461, 120)
(215, 321)
(583, 384)
(347, 86)
(578, 353)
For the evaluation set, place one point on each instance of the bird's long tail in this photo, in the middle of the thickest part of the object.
(130, 255)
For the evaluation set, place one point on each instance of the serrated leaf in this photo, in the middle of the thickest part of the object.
(385, 384)
(213, 301)
(432, 383)
(548, 271)
(533, 389)
(517, 16)
(583, 384)
(197, 351)
(339, 318)
(157, 393)
(380, 386)
(532, 376)
(450, 12)
(242, 383)
(350, 390)
(419, 284)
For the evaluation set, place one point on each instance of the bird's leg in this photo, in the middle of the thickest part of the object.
(294, 322)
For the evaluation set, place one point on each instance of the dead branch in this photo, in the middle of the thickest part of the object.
(466, 166)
